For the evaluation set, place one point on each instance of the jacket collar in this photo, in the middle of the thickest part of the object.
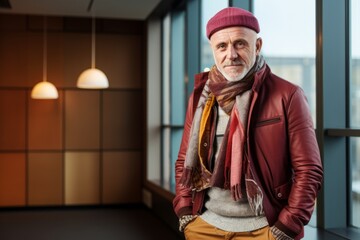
(260, 77)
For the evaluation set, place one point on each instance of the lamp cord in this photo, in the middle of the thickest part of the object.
(44, 51)
(93, 43)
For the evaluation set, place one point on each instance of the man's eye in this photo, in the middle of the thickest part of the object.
(239, 44)
(221, 46)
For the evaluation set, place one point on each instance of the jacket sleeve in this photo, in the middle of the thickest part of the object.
(182, 202)
(306, 164)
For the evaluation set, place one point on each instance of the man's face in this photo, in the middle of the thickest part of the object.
(235, 50)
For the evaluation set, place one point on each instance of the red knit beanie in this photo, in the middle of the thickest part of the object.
(230, 17)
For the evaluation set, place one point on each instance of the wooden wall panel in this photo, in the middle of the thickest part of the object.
(77, 56)
(122, 177)
(122, 120)
(53, 23)
(45, 179)
(50, 149)
(12, 179)
(54, 58)
(82, 119)
(12, 22)
(13, 61)
(82, 178)
(120, 57)
(13, 119)
(34, 58)
(45, 124)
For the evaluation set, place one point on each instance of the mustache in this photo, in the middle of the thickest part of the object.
(233, 63)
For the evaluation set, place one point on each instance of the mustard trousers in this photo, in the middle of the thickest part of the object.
(198, 229)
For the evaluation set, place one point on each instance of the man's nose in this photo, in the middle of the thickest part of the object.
(232, 54)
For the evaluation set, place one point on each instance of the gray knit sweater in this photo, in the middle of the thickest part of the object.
(222, 211)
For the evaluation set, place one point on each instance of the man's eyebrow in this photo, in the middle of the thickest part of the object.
(221, 43)
(240, 40)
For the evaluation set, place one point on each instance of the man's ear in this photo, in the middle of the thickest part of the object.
(258, 45)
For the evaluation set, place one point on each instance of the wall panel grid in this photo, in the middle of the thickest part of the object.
(84, 147)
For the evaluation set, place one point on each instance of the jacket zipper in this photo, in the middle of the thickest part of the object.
(268, 121)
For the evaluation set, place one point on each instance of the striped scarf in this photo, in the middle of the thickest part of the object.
(231, 170)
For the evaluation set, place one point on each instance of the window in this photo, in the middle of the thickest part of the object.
(289, 41)
(166, 146)
(355, 111)
(173, 93)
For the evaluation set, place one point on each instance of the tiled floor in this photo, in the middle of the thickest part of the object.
(130, 223)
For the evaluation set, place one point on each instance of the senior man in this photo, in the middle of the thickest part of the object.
(249, 165)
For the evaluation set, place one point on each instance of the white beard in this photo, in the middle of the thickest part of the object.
(235, 78)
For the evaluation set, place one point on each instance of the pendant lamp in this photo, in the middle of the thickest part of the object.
(93, 78)
(44, 89)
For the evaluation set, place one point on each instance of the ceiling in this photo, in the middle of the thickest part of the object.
(118, 9)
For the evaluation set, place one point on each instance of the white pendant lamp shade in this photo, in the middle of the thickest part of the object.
(93, 78)
(44, 90)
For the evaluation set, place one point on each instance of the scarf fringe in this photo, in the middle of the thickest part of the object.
(255, 196)
(227, 179)
(236, 192)
(195, 179)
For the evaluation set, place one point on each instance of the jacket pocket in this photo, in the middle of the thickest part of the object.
(282, 192)
(268, 121)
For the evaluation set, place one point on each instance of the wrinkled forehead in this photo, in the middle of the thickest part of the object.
(233, 33)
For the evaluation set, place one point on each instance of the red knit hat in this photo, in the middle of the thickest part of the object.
(230, 17)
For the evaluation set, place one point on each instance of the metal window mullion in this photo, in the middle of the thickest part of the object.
(331, 102)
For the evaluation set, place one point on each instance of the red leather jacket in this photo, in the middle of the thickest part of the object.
(282, 148)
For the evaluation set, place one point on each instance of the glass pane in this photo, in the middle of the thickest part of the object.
(355, 176)
(177, 87)
(355, 64)
(177, 68)
(173, 93)
(166, 69)
(166, 163)
(355, 111)
(176, 135)
(289, 41)
(208, 9)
